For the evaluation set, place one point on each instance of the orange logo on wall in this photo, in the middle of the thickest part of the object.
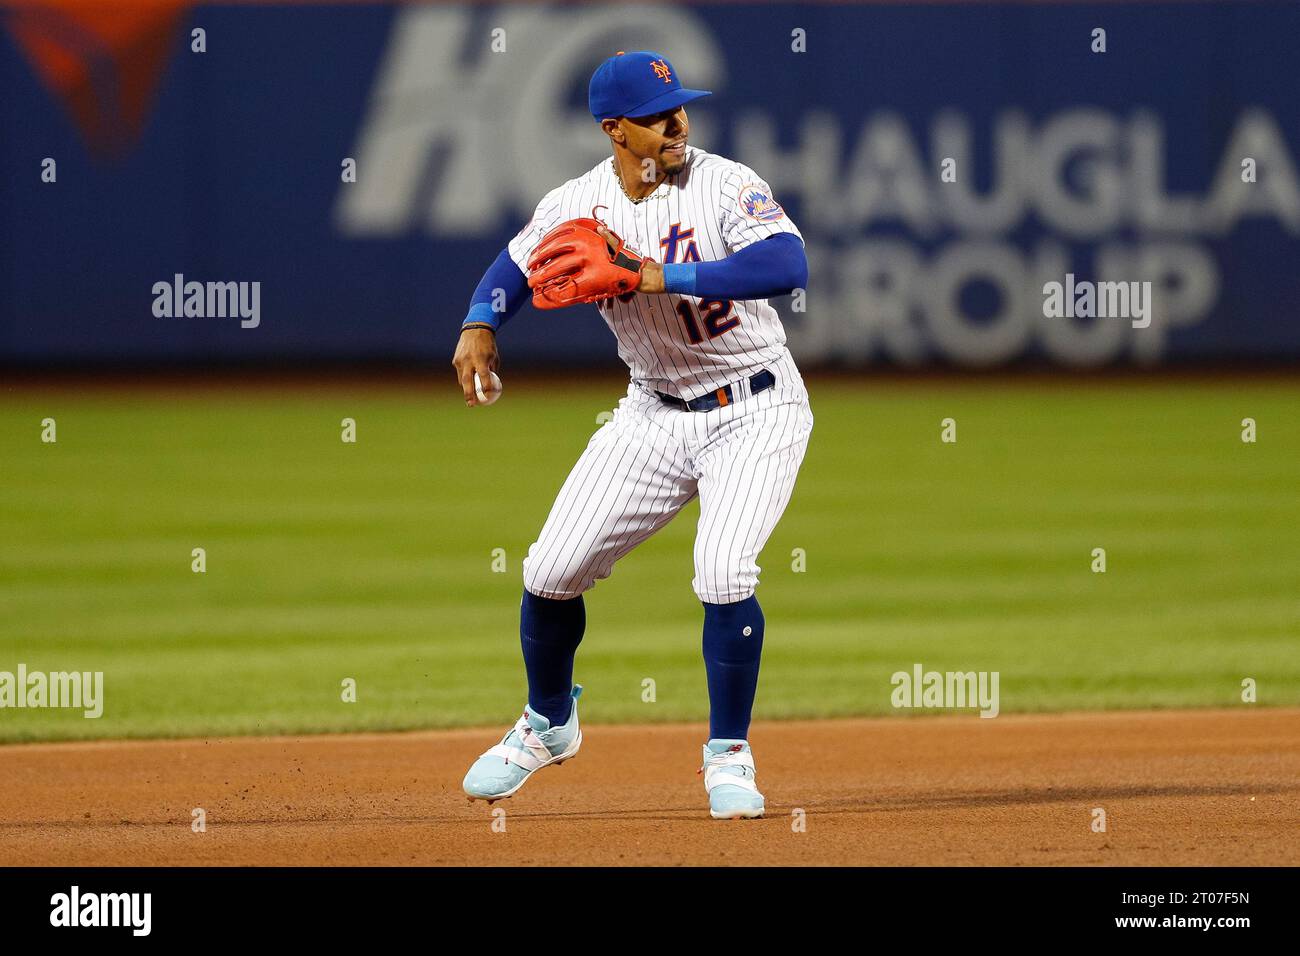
(662, 71)
(104, 62)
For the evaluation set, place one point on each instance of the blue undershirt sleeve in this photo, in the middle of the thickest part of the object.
(505, 275)
(774, 266)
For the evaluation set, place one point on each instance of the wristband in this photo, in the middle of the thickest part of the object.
(679, 277)
(481, 316)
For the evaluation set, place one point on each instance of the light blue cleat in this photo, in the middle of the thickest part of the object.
(729, 780)
(528, 747)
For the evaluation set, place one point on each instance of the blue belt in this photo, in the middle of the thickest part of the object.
(721, 396)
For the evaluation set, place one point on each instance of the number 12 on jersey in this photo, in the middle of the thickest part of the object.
(716, 315)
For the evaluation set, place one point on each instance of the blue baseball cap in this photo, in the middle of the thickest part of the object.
(640, 83)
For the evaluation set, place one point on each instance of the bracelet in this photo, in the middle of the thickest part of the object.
(478, 325)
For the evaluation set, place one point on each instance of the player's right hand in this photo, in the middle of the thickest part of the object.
(475, 352)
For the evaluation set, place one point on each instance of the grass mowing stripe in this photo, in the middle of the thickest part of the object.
(375, 560)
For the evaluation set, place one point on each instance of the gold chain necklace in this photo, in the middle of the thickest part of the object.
(619, 179)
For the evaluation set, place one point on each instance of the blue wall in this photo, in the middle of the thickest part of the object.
(1116, 165)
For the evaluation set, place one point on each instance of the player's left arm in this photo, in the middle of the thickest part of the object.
(773, 266)
(765, 248)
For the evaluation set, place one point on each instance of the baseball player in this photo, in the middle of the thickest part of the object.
(680, 250)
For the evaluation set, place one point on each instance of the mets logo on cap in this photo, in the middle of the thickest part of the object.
(640, 83)
(757, 204)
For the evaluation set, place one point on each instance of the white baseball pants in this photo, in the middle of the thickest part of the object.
(641, 467)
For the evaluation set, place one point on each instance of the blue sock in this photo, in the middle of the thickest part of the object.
(550, 632)
(731, 659)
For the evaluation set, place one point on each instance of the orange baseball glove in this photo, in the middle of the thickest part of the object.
(574, 263)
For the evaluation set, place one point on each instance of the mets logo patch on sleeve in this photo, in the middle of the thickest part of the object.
(757, 204)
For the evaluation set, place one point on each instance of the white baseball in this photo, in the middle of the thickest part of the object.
(493, 392)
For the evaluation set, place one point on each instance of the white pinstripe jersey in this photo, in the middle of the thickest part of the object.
(680, 345)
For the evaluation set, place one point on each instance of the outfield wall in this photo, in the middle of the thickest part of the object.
(226, 166)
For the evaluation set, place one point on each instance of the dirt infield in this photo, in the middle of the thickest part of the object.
(1178, 788)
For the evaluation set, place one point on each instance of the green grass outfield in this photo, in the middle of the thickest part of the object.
(374, 560)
